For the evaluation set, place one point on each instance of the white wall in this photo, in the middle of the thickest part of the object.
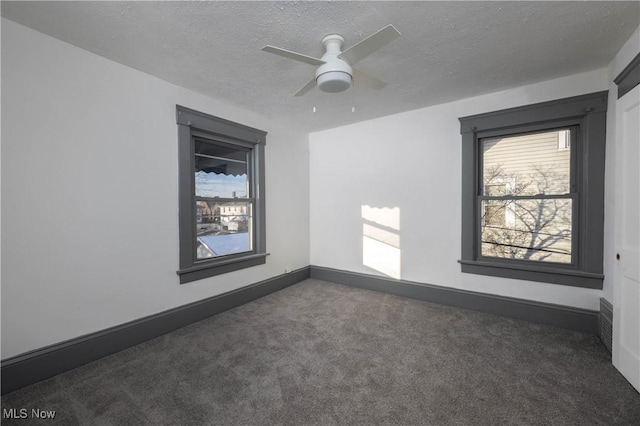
(89, 147)
(630, 49)
(408, 165)
(89, 193)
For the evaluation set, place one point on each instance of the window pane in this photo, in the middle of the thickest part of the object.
(220, 171)
(531, 164)
(532, 229)
(223, 228)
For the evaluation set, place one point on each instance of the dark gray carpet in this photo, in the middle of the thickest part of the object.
(321, 353)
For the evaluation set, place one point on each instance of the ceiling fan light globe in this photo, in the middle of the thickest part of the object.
(334, 81)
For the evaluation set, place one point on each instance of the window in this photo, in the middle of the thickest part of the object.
(221, 195)
(533, 192)
(525, 177)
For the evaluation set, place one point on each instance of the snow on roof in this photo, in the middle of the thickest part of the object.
(227, 243)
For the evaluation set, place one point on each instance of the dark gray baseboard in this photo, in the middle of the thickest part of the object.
(605, 323)
(545, 313)
(40, 364)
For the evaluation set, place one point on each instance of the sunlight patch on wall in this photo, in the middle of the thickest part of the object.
(385, 216)
(381, 240)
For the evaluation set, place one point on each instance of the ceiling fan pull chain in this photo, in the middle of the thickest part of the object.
(353, 97)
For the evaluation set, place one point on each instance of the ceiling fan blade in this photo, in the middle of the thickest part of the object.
(293, 55)
(304, 89)
(361, 77)
(370, 44)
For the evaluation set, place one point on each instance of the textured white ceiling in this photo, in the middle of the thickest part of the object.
(447, 51)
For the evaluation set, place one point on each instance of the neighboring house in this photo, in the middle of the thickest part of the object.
(214, 216)
(527, 210)
(204, 213)
(237, 225)
(217, 222)
(233, 209)
(207, 217)
(233, 216)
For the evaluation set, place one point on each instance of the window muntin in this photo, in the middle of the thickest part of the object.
(525, 197)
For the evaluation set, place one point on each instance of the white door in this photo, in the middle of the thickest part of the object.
(626, 306)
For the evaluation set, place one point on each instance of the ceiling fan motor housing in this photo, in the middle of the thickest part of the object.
(335, 75)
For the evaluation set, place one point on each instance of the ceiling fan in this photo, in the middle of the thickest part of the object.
(335, 72)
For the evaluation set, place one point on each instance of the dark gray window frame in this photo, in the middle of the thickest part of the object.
(194, 124)
(588, 114)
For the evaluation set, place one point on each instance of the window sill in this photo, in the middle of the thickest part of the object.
(570, 277)
(219, 267)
